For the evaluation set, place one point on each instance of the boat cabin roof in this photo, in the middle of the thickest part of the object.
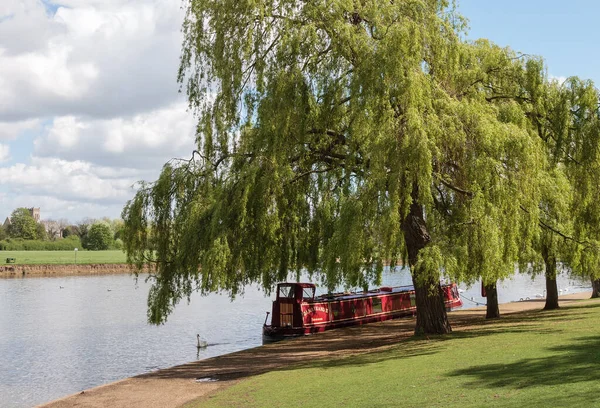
(302, 285)
(384, 290)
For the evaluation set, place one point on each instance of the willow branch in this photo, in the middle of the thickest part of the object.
(454, 188)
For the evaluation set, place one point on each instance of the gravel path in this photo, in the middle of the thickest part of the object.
(175, 386)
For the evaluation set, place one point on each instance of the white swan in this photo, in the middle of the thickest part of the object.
(201, 343)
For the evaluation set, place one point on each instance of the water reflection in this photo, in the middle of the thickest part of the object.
(59, 336)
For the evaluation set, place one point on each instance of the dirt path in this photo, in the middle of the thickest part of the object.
(173, 387)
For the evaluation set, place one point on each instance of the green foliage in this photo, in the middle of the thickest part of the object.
(99, 237)
(328, 121)
(68, 231)
(41, 233)
(579, 145)
(22, 225)
(117, 244)
(116, 226)
(321, 123)
(19, 244)
(567, 121)
(83, 228)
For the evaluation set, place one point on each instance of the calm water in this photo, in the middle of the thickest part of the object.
(55, 342)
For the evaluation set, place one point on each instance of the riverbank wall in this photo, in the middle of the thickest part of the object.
(24, 271)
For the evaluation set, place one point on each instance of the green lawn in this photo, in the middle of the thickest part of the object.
(535, 359)
(62, 257)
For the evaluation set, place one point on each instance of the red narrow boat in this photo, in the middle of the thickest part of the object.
(296, 310)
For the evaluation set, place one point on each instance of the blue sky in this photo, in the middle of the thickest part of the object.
(564, 33)
(89, 103)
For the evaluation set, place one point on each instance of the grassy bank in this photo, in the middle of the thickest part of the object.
(529, 359)
(62, 257)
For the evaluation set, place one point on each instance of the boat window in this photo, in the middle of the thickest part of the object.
(286, 291)
(376, 308)
(308, 293)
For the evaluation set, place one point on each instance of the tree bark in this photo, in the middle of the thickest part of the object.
(551, 293)
(595, 288)
(492, 309)
(431, 310)
(551, 285)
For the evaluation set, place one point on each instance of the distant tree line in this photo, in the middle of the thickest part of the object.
(24, 233)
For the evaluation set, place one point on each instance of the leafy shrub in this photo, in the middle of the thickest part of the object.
(23, 225)
(99, 237)
(19, 244)
(118, 244)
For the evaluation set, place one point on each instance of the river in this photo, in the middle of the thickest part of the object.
(61, 335)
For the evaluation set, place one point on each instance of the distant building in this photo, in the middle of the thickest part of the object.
(35, 213)
(53, 229)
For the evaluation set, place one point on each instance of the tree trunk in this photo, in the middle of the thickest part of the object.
(551, 293)
(551, 285)
(492, 310)
(595, 288)
(431, 310)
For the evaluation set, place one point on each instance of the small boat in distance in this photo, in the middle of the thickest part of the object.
(296, 310)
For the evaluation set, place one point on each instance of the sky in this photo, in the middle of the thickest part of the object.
(89, 102)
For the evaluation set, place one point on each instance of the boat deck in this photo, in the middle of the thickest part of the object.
(357, 295)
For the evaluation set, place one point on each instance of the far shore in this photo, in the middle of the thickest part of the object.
(49, 270)
(198, 381)
(34, 270)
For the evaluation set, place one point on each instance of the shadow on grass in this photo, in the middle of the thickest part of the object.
(516, 323)
(414, 347)
(369, 344)
(570, 363)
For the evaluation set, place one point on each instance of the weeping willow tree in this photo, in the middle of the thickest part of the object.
(502, 230)
(567, 122)
(554, 244)
(565, 118)
(580, 142)
(334, 136)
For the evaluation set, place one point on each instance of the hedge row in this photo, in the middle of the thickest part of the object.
(18, 244)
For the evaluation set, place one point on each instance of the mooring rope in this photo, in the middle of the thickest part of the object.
(471, 300)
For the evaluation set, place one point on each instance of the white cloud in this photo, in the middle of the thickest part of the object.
(11, 130)
(92, 84)
(4, 152)
(145, 140)
(100, 59)
(72, 180)
(25, 26)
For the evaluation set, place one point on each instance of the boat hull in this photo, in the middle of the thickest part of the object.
(309, 316)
